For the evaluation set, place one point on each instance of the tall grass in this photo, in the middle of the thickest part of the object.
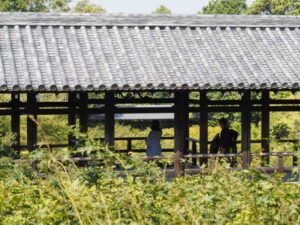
(60, 192)
(67, 194)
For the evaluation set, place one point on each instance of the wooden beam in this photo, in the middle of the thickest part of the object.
(203, 127)
(265, 125)
(71, 116)
(144, 100)
(181, 128)
(31, 125)
(144, 110)
(246, 122)
(223, 104)
(15, 119)
(109, 135)
(216, 109)
(83, 112)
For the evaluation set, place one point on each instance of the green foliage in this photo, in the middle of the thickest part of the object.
(275, 7)
(84, 6)
(231, 116)
(55, 127)
(6, 142)
(280, 130)
(22, 6)
(224, 7)
(34, 5)
(67, 194)
(59, 5)
(162, 10)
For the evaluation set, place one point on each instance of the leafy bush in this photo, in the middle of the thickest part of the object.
(6, 143)
(281, 130)
(66, 194)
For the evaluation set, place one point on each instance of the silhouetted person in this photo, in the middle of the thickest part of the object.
(225, 141)
(153, 139)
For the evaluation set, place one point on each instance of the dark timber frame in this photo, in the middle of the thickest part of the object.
(31, 108)
(203, 126)
(77, 106)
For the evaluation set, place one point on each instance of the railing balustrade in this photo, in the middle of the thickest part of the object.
(194, 154)
(129, 143)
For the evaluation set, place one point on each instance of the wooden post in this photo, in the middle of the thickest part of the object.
(109, 135)
(15, 119)
(280, 165)
(265, 126)
(83, 112)
(129, 145)
(295, 158)
(71, 117)
(31, 125)
(181, 128)
(194, 151)
(203, 127)
(178, 164)
(246, 123)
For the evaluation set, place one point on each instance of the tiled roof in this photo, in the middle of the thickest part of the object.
(65, 52)
(136, 116)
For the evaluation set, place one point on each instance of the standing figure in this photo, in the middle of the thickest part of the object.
(225, 141)
(153, 139)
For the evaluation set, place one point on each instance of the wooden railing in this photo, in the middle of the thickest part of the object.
(129, 144)
(194, 155)
(179, 165)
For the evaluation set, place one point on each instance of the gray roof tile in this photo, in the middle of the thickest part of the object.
(135, 116)
(66, 52)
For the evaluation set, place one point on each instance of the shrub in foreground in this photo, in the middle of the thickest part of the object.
(66, 194)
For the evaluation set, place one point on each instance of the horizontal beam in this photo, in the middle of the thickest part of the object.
(155, 101)
(143, 150)
(45, 146)
(132, 138)
(145, 110)
(144, 100)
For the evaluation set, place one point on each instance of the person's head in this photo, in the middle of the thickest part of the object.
(223, 122)
(155, 125)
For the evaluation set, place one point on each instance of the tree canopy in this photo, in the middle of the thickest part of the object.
(224, 7)
(84, 6)
(162, 10)
(268, 7)
(34, 5)
(49, 6)
(275, 7)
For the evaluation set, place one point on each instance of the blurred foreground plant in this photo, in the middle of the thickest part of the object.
(98, 194)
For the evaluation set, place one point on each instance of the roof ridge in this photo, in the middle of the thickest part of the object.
(121, 19)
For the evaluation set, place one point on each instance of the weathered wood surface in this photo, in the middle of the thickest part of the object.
(203, 125)
(265, 124)
(109, 134)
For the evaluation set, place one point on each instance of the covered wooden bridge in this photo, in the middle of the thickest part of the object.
(101, 58)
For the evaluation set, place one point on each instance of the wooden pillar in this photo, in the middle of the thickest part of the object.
(203, 126)
(71, 116)
(265, 125)
(246, 124)
(15, 119)
(181, 128)
(83, 112)
(109, 135)
(31, 125)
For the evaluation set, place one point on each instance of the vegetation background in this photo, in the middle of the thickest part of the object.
(61, 193)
